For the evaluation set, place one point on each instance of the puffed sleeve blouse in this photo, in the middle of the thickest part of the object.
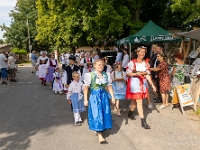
(88, 79)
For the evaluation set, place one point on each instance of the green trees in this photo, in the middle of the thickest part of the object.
(189, 10)
(73, 23)
(17, 33)
(77, 23)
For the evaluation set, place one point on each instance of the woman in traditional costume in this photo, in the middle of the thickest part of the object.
(41, 65)
(137, 88)
(51, 64)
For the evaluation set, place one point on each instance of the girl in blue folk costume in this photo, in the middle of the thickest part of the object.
(99, 113)
(118, 77)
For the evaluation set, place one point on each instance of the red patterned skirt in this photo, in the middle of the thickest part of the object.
(137, 88)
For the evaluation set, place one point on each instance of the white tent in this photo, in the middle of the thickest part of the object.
(194, 34)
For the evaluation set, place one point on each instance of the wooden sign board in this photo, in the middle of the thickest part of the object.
(184, 96)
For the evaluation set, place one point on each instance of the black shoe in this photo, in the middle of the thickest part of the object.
(78, 123)
(42, 82)
(4, 83)
(71, 108)
(144, 124)
(130, 115)
(13, 80)
(157, 100)
(45, 83)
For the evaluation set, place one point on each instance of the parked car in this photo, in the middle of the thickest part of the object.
(111, 55)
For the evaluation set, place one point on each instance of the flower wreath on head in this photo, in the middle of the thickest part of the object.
(117, 63)
(141, 47)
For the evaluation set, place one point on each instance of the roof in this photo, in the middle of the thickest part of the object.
(4, 45)
(194, 34)
(151, 29)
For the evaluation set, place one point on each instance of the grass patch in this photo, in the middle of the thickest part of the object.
(198, 111)
(24, 63)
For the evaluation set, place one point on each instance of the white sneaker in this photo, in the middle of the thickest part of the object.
(55, 92)
(150, 106)
(60, 92)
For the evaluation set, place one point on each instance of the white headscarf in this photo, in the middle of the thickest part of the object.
(41, 52)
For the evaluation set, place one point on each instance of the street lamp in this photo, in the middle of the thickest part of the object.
(29, 41)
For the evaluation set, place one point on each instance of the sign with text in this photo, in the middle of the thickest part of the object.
(161, 38)
(184, 96)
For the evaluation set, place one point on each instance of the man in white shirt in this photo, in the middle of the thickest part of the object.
(11, 67)
(125, 60)
(119, 56)
(3, 67)
(87, 64)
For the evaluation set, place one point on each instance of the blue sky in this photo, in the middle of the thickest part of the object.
(5, 7)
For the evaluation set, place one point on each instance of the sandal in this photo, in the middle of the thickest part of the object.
(162, 107)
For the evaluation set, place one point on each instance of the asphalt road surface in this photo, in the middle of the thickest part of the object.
(32, 117)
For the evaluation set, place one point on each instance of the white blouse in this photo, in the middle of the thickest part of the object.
(41, 58)
(88, 79)
(53, 62)
(74, 87)
(140, 67)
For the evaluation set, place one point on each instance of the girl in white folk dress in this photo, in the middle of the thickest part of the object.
(75, 97)
(57, 83)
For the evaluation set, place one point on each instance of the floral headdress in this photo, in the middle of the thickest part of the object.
(141, 47)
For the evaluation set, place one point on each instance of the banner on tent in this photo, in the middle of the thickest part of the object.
(161, 38)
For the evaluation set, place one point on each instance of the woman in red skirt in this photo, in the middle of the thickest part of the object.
(164, 79)
(137, 87)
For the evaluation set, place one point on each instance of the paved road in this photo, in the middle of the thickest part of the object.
(32, 117)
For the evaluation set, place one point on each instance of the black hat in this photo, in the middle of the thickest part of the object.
(72, 57)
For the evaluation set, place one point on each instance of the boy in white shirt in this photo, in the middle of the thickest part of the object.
(75, 97)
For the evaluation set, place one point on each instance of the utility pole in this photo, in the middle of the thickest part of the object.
(29, 41)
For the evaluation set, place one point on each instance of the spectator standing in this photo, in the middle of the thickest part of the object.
(178, 74)
(11, 67)
(119, 56)
(33, 61)
(3, 67)
(158, 49)
(125, 60)
(164, 79)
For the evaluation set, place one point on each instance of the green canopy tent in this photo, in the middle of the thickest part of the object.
(150, 33)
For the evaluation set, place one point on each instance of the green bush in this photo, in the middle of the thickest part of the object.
(19, 51)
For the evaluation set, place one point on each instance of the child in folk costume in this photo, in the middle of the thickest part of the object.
(67, 75)
(87, 64)
(75, 97)
(41, 66)
(107, 67)
(99, 113)
(51, 64)
(119, 85)
(57, 83)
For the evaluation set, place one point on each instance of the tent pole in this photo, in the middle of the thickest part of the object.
(129, 50)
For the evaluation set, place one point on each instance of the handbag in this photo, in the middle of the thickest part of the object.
(187, 80)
